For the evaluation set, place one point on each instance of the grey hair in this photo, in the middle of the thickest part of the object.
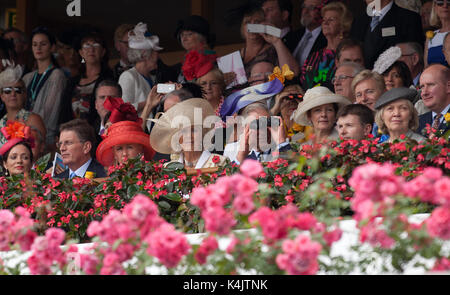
(182, 94)
(413, 123)
(357, 68)
(11, 75)
(136, 55)
(417, 48)
(253, 107)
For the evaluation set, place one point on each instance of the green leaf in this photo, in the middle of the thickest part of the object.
(173, 197)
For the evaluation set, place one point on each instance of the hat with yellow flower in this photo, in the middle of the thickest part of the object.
(14, 133)
(242, 98)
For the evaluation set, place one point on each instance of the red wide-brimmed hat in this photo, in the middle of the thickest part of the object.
(123, 132)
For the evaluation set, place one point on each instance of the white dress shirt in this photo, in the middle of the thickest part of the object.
(304, 55)
(82, 170)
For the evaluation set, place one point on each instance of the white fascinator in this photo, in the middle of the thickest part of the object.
(10, 75)
(140, 38)
(387, 59)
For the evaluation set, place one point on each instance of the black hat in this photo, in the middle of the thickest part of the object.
(395, 94)
(196, 24)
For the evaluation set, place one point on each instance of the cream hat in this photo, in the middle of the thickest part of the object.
(315, 97)
(190, 112)
(140, 38)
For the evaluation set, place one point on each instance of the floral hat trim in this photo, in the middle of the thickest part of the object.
(120, 110)
(14, 133)
(282, 74)
(198, 63)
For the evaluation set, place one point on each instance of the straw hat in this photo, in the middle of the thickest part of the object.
(123, 132)
(315, 97)
(190, 112)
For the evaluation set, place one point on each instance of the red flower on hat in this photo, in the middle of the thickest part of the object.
(121, 111)
(18, 130)
(197, 64)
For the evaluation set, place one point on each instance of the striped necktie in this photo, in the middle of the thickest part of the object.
(375, 22)
(437, 121)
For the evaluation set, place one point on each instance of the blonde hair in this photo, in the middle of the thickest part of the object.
(217, 74)
(346, 17)
(413, 123)
(368, 74)
(434, 18)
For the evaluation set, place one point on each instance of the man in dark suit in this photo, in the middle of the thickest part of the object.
(435, 92)
(389, 26)
(309, 38)
(76, 142)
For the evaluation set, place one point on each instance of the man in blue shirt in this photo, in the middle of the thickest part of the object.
(76, 142)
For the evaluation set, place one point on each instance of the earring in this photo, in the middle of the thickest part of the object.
(82, 60)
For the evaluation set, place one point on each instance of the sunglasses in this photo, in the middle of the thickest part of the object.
(9, 90)
(441, 2)
(297, 96)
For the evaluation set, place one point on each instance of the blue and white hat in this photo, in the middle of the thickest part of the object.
(242, 98)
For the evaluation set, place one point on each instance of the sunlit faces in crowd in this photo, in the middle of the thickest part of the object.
(74, 151)
(435, 87)
(343, 78)
(397, 75)
(18, 159)
(123, 152)
(323, 117)
(367, 87)
(212, 85)
(260, 73)
(396, 116)
(331, 24)
(14, 96)
(355, 122)
(351, 54)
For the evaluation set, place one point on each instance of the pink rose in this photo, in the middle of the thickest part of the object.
(251, 168)
(438, 224)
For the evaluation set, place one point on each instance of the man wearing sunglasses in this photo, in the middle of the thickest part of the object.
(383, 26)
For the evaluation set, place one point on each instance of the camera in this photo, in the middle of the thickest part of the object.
(165, 88)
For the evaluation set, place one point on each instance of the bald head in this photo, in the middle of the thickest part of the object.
(435, 87)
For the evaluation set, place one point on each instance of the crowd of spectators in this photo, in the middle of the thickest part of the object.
(341, 76)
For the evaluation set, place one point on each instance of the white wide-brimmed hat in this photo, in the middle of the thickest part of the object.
(191, 112)
(315, 97)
